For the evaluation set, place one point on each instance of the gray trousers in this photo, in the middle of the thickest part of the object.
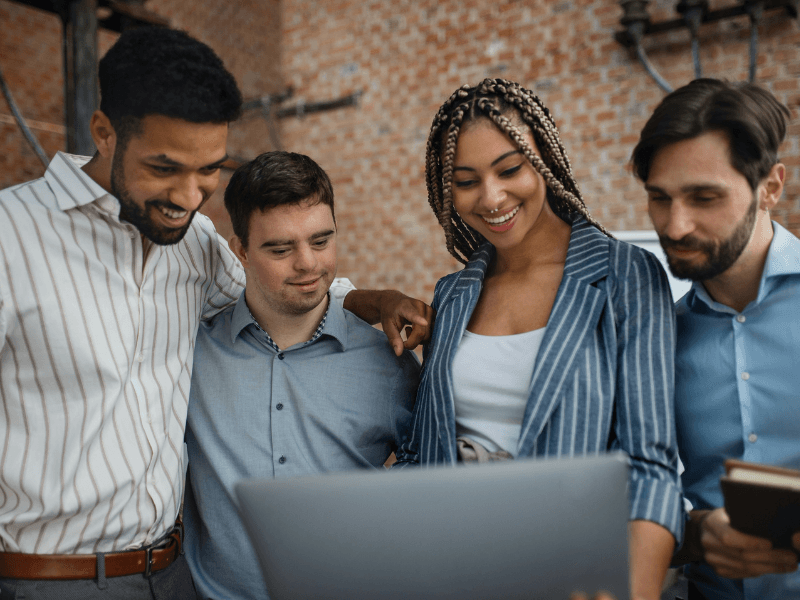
(172, 583)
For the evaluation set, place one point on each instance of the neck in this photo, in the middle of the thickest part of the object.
(738, 286)
(286, 330)
(546, 243)
(99, 171)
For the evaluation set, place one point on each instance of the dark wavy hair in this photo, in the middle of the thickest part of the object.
(753, 120)
(157, 71)
(274, 179)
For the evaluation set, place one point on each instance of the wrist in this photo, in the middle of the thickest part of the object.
(692, 549)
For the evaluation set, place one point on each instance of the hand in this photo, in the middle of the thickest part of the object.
(401, 313)
(735, 554)
(796, 541)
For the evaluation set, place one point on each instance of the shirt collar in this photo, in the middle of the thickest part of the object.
(72, 187)
(333, 322)
(783, 258)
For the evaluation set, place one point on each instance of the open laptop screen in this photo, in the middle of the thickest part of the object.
(518, 529)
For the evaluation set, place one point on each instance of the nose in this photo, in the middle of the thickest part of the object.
(671, 218)
(305, 259)
(493, 194)
(189, 193)
(679, 221)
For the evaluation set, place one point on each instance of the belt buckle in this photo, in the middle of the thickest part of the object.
(148, 562)
(148, 554)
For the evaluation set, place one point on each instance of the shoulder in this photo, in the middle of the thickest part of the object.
(216, 329)
(472, 274)
(634, 265)
(19, 199)
(365, 340)
(202, 232)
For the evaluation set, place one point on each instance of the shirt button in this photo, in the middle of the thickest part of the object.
(140, 358)
(741, 318)
(279, 406)
(280, 355)
(745, 376)
(752, 438)
(133, 235)
(282, 459)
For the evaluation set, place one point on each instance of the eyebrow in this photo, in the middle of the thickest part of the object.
(690, 189)
(164, 159)
(494, 162)
(316, 236)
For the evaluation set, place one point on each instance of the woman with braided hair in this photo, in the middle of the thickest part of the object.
(555, 339)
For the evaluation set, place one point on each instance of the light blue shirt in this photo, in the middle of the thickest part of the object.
(340, 401)
(737, 395)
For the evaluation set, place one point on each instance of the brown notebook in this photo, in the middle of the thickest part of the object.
(762, 500)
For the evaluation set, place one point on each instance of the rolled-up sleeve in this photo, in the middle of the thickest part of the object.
(645, 424)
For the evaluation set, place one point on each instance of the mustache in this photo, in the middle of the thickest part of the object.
(685, 243)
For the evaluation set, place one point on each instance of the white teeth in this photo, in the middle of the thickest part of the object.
(504, 219)
(173, 214)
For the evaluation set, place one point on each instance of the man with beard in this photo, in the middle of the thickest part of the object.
(105, 273)
(708, 159)
(287, 382)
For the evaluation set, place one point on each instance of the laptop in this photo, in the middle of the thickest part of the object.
(518, 529)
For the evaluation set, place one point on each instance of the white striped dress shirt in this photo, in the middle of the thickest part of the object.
(97, 335)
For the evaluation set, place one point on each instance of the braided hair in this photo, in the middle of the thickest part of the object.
(499, 101)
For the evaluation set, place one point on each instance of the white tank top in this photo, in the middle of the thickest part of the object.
(491, 382)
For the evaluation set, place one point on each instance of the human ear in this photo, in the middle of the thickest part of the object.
(238, 249)
(771, 187)
(103, 134)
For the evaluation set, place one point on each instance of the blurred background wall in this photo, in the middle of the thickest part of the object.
(404, 57)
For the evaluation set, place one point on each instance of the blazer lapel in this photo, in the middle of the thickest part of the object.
(575, 314)
(455, 310)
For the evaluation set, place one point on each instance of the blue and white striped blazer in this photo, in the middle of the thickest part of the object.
(603, 378)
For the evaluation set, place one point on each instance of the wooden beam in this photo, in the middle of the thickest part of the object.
(123, 14)
(80, 73)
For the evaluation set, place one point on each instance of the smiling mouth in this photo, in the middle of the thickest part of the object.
(173, 214)
(503, 219)
(308, 283)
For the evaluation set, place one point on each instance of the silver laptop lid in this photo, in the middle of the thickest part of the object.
(519, 529)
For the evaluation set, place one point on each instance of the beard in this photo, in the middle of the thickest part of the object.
(720, 256)
(137, 216)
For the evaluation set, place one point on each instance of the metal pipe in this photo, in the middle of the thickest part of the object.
(22, 124)
(266, 112)
(651, 70)
(755, 8)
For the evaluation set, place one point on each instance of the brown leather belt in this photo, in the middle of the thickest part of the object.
(15, 565)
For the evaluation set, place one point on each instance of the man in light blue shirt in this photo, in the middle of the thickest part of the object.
(708, 159)
(286, 381)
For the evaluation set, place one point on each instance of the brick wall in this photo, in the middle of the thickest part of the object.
(407, 56)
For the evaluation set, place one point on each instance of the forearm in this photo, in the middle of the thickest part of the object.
(692, 549)
(365, 304)
(651, 548)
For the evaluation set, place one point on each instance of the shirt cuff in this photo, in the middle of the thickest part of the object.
(659, 501)
(340, 287)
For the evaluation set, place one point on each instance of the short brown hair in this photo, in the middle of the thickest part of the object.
(753, 120)
(274, 179)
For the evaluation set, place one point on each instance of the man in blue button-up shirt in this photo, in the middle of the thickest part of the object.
(286, 381)
(708, 159)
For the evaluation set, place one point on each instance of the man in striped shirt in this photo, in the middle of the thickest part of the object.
(106, 270)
